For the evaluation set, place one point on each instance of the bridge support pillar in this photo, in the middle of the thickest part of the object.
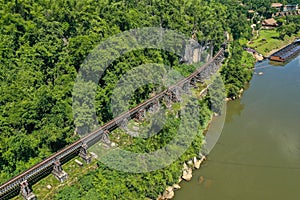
(84, 154)
(186, 88)
(156, 106)
(58, 172)
(175, 95)
(193, 82)
(26, 192)
(140, 115)
(105, 138)
(168, 100)
(124, 124)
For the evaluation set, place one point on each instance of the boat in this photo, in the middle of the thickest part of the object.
(287, 52)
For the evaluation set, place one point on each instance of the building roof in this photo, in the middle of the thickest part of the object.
(292, 5)
(276, 5)
(270, 21)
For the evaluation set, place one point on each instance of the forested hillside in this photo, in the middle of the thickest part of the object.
(44, 42)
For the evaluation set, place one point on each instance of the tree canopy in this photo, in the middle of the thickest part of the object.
(43, 44)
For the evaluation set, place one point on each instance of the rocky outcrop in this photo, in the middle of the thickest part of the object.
(197, 163)
(179, 180)
(176, 187)
(187, 174)
(185, 167)
(258, 57)
(168, 193)
(190, 163)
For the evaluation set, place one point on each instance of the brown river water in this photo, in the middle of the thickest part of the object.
(258, 153)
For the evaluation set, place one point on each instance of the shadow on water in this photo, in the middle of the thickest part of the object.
(237, 108)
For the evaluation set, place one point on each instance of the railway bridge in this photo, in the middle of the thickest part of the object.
(53, 164)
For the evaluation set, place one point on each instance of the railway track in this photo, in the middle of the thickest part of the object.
(32, 175)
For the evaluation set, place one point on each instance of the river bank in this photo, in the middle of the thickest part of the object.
(257, 155)
(190, 166)
(187, 174)
(193, 164)
(264, 48)
(200, 179)
(268, 42)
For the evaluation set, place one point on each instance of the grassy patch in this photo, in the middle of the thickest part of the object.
(268, 41)
(121, 138)
(74, 171)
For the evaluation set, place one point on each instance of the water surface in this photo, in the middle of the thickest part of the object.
(258, 153)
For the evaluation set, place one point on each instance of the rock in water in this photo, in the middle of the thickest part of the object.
(187, 174)
(201, 179)
(197, 163)
(176, 187)
(168, 193)
(185, 167)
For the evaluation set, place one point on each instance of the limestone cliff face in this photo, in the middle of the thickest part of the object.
(195, 52)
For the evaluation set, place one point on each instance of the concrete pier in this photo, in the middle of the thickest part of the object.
(26, 192)
(58, 172)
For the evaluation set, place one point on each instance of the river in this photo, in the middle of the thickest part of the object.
(258, 153)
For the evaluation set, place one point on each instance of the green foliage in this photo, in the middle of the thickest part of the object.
(270, 39)
(289, 27)
(43, 44)
(237, 71)
(69, 193)
(106, 183)
(217, 94)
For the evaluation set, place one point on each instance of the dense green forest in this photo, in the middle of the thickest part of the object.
(288, 26)
(43, 44)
